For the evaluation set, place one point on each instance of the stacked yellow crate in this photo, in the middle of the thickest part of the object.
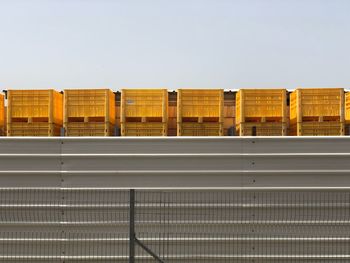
(261, 112)
(34, 113)
(2, 115)
(200, 112)
(317, 112)
(144, 112)
(89, 112)
(347, 113)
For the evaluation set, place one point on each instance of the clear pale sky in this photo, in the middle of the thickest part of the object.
(228, 44)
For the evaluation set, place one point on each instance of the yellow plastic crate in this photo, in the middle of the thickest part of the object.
(262, 129)
(200, 103)
(89, 129)
(33, 129)
(34, 106)
(261, 105)
(89, 105)
(2, 115)
(200, 129)
(329, 128)
(144, 103)
(325, 104)
(144, 129)
(347, 107)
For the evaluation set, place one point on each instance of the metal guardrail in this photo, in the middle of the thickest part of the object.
(178, 162)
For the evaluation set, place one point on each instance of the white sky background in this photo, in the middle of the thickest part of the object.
(228, 44)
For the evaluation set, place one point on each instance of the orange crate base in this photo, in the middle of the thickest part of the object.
(89, 129)
(144, 129)
(33, 129)
(262, 129)
(200, 129)
(318, 129)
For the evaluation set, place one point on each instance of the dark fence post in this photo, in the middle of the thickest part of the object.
(254, 131)
(132, 226)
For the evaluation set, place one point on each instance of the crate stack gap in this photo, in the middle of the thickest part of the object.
(229, 113)
(34, 113)
(200, 112)
(172, 119)
(261, 112)
(317, 112)
(2, 115)
(117, 112)
(144, 112)
(89, 112)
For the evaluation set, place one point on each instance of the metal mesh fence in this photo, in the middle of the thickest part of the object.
(63, 225)
(251, 225)
(246, 226)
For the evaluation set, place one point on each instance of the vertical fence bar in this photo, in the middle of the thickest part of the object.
(132, 226)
